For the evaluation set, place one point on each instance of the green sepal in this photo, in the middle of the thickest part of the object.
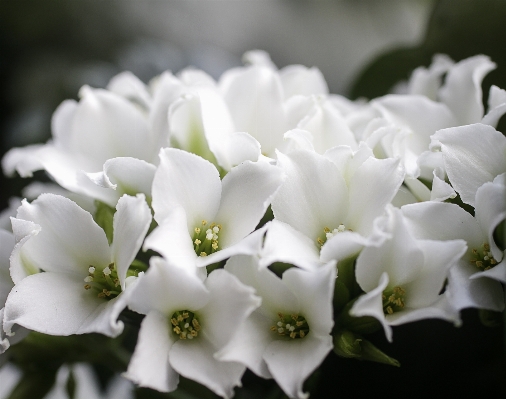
(341, 296)
(350, 345)
(104, 216)
(361, 325)
(490, 318)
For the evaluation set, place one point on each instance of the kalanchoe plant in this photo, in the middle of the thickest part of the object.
(201, 228)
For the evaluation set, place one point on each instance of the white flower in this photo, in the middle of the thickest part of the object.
(471, 280)
(102, 127)
(334, 199)
(80, 289)
(288, 336)
(186, 322)
(203, 219)
(403, 276)
(472, 155)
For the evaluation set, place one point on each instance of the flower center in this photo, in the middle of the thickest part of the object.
(393, 300)
(293, 326)
(185, 324)
(105, 282)
(483, 258)
(206, 238)
(328, 234)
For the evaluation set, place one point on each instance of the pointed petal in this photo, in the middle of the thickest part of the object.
(171, 240)
(194, 359)
(439, 257)
(491, 211)
(249, 343)
(230, 303)
(58, 304)
(314, 290)
(291, 362)
(236, 148)
(149, 366)
(167, 289)
(127, 85)
(467, 291)
(313, 196)
(371, 304)
(7, 243)
(246, 194)
(254, 96)
(473, 155)
(300, 80)
(285, 244)
(186, 180)
(126, 176)
(23, 160)
(372, 187)
(131, 223)
(496, 106)
(69, 239)
(462, 89)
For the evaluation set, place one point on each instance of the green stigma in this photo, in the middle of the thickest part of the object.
(185, 324)
(291, 326)
(393, 300)
(206, 238)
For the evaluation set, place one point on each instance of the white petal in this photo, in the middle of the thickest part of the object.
(371, 304)
(10, 375)
(439, 257)
(441, 190)
(314, 290)
(58, 304)
(464, 291)
(131, 223)
(462, 89)
(255, 99)
(297, 139)
(276, 296)
(187, 180)
(426, 81)
(106, 125)
(490, 212)
(194, 359)
(236, 148)
(298, 79)
(24, 160)
(167, 289)
(127, 85)
(313, 196)
(149, 365)
(6, 246)
(372, 187)
(172, 241)
(285, 244)
(473, 155)
(249, 343)
(498, 272)
(126, 175)
(230, 303)
(291, 362)
(246, 194)
(69, 239)
(496, 106)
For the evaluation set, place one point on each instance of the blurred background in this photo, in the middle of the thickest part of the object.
(49, 49)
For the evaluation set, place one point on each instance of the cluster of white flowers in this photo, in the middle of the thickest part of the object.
(252, 194)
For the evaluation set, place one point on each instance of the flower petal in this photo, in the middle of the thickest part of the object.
(462, 89)
(230, 303)
(291, 362)
(194, 359)
(58, 304)
(149, 366)
(247, 192)
(69, 239)
(473, 155)
(186, 180)
(131, 223)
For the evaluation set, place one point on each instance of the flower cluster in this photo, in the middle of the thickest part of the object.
(258, 221)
